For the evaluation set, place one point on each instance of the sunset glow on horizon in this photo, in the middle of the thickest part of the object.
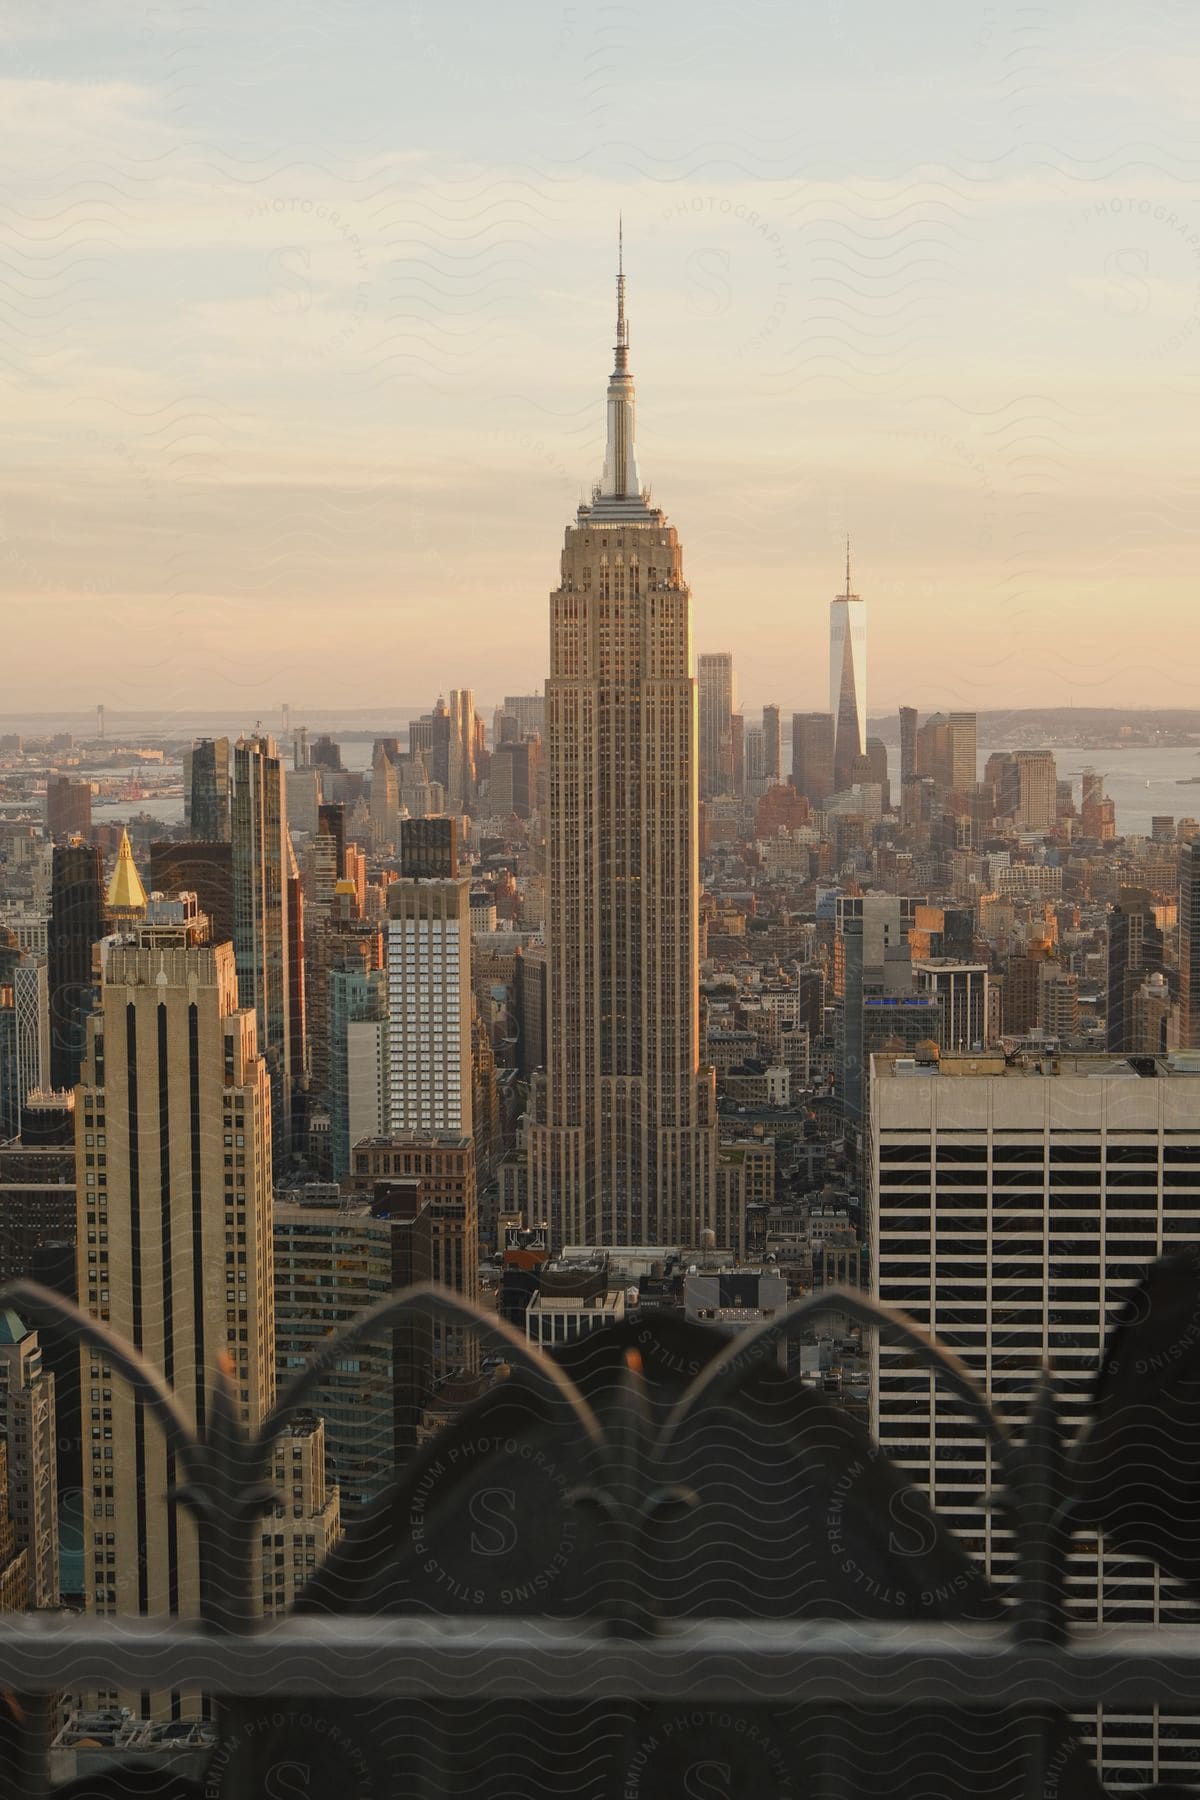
(306, 319)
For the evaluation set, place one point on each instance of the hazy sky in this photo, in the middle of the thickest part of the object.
(306, 315)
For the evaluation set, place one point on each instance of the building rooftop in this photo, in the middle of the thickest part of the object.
(301, 1425)
(927, 1002)
(12, 1327)
(125, 891)
(949, 962)
(1080, 1064)
(117, 1729)
(290, 1211)
(607, 1300)
(416, 1140)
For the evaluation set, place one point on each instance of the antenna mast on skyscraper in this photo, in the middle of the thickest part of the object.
(622, 345)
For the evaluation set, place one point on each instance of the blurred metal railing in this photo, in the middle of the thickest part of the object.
(1032, 1663)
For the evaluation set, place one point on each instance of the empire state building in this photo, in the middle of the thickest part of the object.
(623, 1142)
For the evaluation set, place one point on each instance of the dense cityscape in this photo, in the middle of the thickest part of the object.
(602, 1003)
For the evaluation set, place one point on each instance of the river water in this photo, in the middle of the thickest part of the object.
(1142, 782)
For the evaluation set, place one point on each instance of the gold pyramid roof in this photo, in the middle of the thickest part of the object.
(125, 891)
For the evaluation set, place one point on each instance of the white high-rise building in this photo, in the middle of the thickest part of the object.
(1012, 1208)
(429, 1007)
(964, 989)
(847, 680)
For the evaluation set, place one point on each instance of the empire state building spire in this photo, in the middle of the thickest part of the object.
(620, 480)
(622, 344)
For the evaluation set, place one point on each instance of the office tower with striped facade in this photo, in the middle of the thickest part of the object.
(173, 1156)
(1013, 1203)
(623, 1143)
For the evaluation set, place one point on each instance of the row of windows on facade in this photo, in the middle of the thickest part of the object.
(1064, 1198)
(407, 1162)
(1013, 1188)
(1126, 1215)
(1067, 1262)
(1011, 1213)
(1030, 1180)
(1021, 1145)
(1021, 1171)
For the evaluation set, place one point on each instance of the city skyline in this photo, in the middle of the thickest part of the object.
(587, 1025)
(285, 358)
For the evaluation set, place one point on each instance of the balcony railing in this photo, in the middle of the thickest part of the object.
(659, 1569)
